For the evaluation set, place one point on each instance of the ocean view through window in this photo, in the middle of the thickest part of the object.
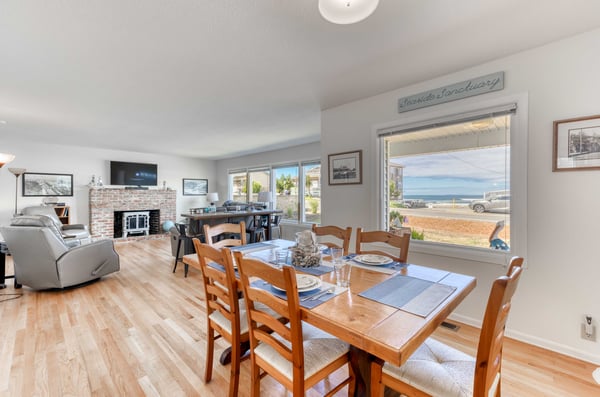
(451, 183)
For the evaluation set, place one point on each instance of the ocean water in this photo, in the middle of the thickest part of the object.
(443, 198)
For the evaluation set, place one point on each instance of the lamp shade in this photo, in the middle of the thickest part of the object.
(6, 158)
(344, 12)
(212, 197)
(264, 197)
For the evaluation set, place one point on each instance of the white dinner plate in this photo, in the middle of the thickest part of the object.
(373, 260)
(305, 283)
(322, 247)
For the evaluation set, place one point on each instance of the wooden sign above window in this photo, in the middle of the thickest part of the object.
(464, 89)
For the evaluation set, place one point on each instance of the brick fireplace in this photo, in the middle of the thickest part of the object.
(105, 202)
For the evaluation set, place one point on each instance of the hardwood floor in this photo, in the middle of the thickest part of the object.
(141, 332)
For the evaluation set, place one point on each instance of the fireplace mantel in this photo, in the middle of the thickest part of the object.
(105, 201)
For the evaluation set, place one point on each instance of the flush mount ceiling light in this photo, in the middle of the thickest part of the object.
(346, 11)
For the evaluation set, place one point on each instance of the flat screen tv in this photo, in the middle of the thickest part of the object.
(133, 174)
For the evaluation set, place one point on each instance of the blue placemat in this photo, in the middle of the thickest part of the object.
(315, 271)
(392, 265)
(309, 304)
(253, 247)
(410, 294)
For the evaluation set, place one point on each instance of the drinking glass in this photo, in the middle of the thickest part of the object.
(343, 270)
(336, 255)
(281, 257)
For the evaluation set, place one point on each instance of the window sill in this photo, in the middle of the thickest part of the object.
(475, 254)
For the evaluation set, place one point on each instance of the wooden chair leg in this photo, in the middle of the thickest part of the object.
(377, 388)
(210, 347)
(234, 376)
(255, 379)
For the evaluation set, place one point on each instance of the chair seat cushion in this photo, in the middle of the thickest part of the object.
(320, 349)
(224, 323)
(437, 369)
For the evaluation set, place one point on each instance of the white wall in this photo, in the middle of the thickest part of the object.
(85, 162)
(562, 277)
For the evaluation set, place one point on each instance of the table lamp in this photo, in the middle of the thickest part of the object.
(212, 198)
(265, 197)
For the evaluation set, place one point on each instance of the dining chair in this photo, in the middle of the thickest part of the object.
(225, 230)
(436, 369)
(335, 231)
(297, 355)
(275, 226)
(380, 236)
(255, 229)
(225, 313)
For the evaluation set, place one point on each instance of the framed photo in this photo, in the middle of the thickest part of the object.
(577, 144)
(41, 184)
(345, 168)
(195, 187)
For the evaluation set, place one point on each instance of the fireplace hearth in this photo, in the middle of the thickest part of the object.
(107, 206)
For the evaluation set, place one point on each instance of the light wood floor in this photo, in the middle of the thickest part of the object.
(141, 332)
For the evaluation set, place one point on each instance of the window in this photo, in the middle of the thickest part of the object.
(238, 186)
(286, 191)
(450, 180)
(260, 181)
(289, 182)
(311, 173)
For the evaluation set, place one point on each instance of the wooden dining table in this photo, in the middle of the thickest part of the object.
(377, 331)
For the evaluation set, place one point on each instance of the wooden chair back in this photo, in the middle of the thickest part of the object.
(220, 289)
(398, 241)
(514, 262)
(210, 232)
(273, 331)
(219, 282)
(489, 352)
(335, 231)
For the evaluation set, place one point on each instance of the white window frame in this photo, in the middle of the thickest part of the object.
(518, 175)
(271, 167)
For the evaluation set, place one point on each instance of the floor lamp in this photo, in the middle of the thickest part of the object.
(17, 172)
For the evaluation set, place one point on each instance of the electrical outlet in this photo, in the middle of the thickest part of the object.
(588, 333)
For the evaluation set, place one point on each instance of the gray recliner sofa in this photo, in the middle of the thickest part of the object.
(78, 231)
(43, 260)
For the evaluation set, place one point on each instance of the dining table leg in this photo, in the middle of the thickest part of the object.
(360, 362)
(225, 357)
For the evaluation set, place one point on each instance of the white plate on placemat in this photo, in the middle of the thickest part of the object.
(305, 283)
(373, 260)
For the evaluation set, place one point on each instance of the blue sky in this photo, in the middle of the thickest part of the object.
(466, 172)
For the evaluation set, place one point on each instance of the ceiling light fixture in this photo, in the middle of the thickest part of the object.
(345, 12)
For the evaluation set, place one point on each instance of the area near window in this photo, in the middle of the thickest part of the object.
(288, 183)
(450, 181)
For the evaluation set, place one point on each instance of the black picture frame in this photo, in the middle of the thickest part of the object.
(576, 144)
(345, 168)
(40, 184)
(195, 187)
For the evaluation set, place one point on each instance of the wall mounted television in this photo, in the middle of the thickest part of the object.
(133, 174)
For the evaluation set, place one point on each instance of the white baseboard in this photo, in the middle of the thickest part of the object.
(536, 341)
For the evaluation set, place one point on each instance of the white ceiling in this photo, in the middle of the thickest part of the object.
(220, 78)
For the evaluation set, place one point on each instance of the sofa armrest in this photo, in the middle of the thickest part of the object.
(74, 226)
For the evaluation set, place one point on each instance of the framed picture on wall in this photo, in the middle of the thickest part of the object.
(345, 168)
(577, 144)
(195, 187)
(42, 184)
